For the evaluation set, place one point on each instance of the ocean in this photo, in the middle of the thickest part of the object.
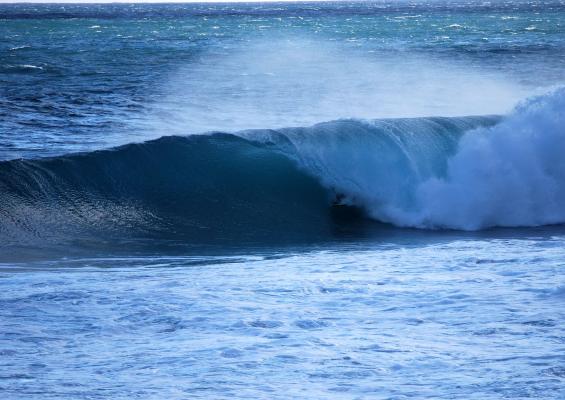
(329, 200)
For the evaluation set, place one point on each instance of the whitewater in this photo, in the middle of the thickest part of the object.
(345, 200)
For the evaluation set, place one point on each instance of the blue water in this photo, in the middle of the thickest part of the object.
(304, 200)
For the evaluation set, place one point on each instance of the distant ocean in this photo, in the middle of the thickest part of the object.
(341, 200)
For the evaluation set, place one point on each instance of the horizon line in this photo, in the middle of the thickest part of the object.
(189, 1)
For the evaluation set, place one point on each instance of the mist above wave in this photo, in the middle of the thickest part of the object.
(300, 81)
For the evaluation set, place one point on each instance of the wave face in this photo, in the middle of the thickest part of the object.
(462, 173)
(195, 189)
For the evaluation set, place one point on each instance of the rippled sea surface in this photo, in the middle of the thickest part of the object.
(217, 266)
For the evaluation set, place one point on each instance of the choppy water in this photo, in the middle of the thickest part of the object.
(79, 77)
(473, 318)
(378, 213)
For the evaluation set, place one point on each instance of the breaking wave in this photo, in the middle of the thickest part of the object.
(464, 173)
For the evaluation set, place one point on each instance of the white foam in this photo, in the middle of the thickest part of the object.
(512, 174)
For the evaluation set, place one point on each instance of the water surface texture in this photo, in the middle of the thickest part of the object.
(283, 200)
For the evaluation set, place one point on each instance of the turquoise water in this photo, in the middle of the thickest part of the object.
(304, 200)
